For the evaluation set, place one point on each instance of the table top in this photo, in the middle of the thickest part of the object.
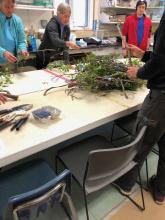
(82, 114)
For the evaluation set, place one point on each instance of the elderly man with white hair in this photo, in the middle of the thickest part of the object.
(56, 37)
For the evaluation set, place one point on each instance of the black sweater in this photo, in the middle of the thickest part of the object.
(154, 68)
(53, 39)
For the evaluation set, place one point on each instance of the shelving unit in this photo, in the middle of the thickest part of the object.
(119, 10)
(32, 15)
(125, 10)
(33, 7)
(113, 15)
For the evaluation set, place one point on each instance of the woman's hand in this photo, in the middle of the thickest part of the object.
(9, 57)
(135, 51)
(124, 52)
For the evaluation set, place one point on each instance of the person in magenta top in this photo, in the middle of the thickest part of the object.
(137, 28)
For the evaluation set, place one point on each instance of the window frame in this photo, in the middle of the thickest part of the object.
(88, 16)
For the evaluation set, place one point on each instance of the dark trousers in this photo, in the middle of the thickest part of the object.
(152, 113)
(42, 59)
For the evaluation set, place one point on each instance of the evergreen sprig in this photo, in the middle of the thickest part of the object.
(104, 73)
(5, 77)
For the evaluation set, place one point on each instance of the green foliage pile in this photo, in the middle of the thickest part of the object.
(104, 73)
(5, 77)
(58, 64)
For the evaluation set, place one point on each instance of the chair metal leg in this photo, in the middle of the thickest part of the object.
(147, 173)
(142, 208)
(86, 205)
(56, 165)
(118, 138)
(113, 128)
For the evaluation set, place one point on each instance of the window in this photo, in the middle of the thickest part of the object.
(82, 12)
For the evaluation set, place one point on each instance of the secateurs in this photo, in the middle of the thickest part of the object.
(17, 115)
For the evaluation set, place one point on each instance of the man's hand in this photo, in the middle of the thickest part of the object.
(10, 57)
(72, 45)
(135, 51)
(132, 72)
(3, 99)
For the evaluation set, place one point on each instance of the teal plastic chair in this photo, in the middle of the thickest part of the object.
(29, 190)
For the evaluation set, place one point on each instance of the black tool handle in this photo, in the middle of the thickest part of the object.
(5, 111)
(21, 122)
(14, 97)
(15, 125)
(4, 124)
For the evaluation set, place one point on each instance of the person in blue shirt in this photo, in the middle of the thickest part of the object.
(12, 35)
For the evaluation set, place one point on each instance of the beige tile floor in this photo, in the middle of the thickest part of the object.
(129, 212)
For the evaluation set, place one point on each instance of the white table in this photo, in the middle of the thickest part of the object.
(77, 117)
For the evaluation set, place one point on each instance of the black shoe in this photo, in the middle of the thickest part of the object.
(157, 196)
(126, 191)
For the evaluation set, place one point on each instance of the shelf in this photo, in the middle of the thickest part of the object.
(118, 10)
(155, 22)
(112, 22)
(33, 7)
(122, 22)
(121, 10)
(158, 7)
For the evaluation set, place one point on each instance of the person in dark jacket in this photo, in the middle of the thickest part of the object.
(56, 37)
(152, 112)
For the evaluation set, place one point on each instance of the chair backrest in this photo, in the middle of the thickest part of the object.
(31, 204)
(106, 165)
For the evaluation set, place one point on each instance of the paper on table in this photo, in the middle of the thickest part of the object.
(33, 81)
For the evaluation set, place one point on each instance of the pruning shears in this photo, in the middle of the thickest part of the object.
(13, 115)
(25, 107)
(9, 95)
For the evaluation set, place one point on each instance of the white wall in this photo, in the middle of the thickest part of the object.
(33, 17)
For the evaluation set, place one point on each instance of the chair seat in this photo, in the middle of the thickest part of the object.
(21, 179)
(95, 163)
(76, 163)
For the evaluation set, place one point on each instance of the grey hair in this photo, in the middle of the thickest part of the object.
(63, 7)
